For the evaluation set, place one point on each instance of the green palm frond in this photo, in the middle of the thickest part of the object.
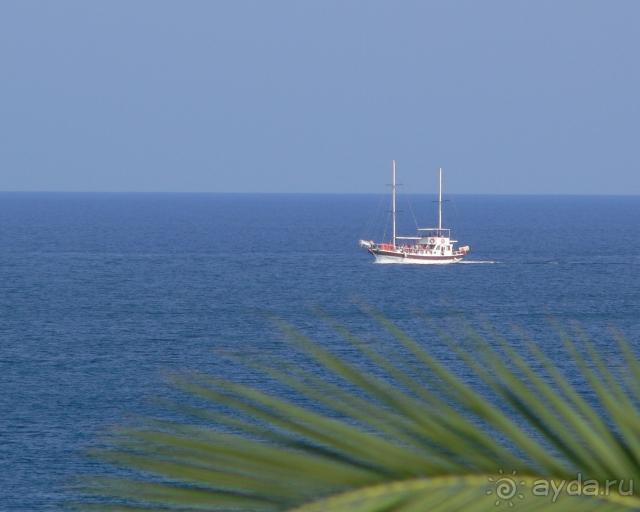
(390, 440)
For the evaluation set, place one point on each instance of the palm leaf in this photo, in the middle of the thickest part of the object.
(385, 440)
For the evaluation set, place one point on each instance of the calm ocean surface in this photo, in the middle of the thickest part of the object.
(104, 294)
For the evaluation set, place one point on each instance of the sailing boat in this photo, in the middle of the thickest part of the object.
(432, 246)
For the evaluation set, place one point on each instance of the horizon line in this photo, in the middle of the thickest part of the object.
(271, 193)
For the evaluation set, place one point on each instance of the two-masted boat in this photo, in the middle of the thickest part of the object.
(431, 246)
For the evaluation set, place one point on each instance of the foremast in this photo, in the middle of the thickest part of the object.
(393, 200)
(440, 202)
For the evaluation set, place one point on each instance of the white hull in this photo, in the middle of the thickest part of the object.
(409, 259)
(384, 259)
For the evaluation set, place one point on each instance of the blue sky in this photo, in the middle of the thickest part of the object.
(319, 96)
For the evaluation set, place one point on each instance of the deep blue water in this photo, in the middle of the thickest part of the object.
(102, 294)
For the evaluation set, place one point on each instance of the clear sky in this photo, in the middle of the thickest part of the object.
(320, 95)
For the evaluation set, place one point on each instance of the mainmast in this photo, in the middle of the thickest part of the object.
(393, 199)
(440, 203)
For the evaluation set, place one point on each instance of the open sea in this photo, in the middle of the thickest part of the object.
(102, 295)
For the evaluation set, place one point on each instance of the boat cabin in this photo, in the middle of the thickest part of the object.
(436, 238)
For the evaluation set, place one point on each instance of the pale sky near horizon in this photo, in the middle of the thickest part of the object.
(319, 96)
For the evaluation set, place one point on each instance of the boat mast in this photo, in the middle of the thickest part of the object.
(440, 204)
(393, 198)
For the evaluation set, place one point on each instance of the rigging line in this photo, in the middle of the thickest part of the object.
(435, 209)
(415, 221)
(386, 226)
(375, 218)
(380, 212)
(455, 210)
